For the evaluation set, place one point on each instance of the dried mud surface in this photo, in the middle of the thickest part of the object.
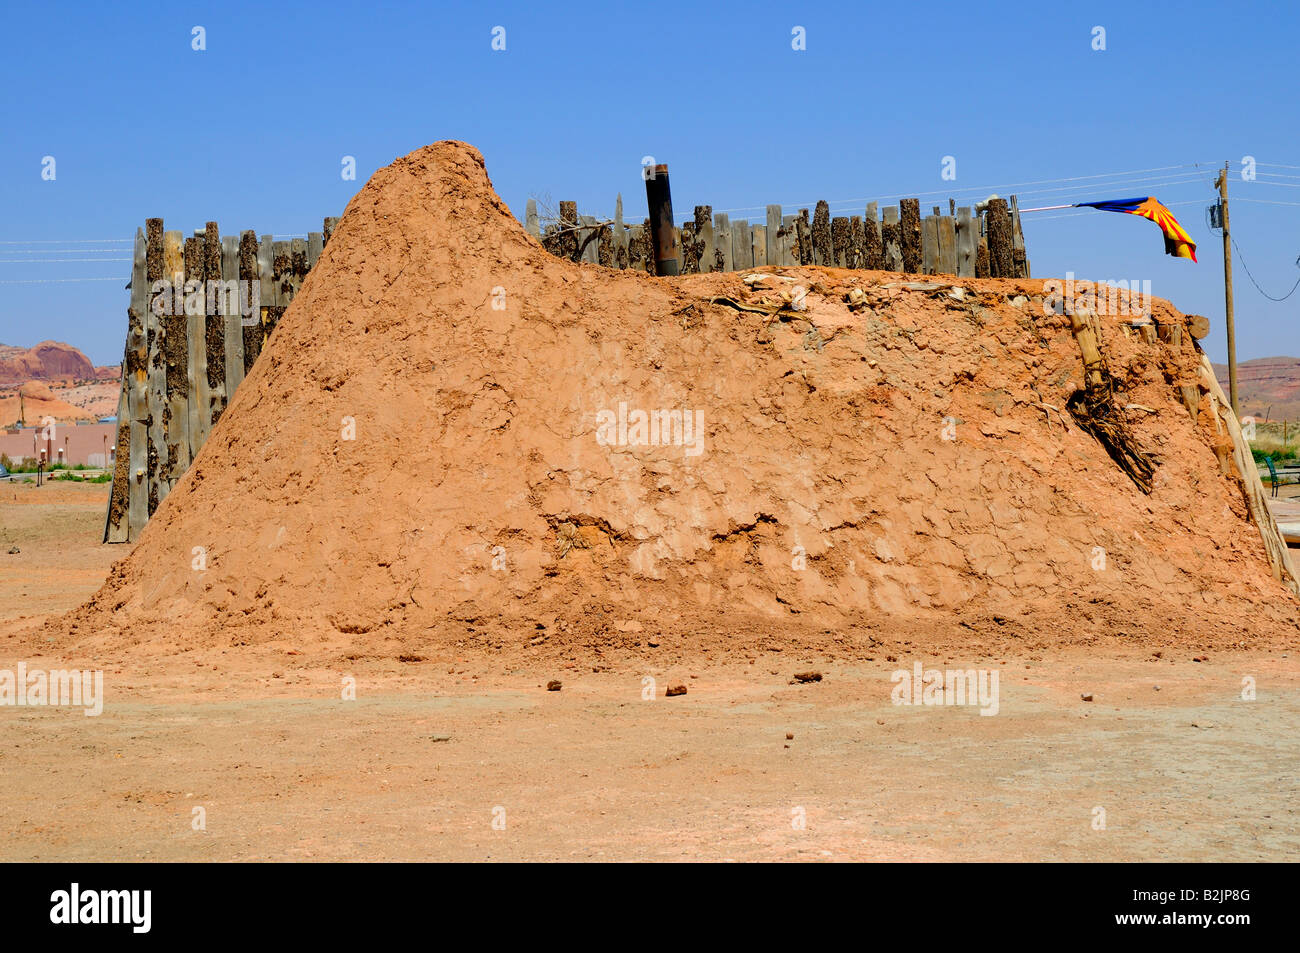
(900, 472)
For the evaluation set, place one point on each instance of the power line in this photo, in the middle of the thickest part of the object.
(69, 241)
(1252, 277)
(62, 251)
(47, 281)
(1266, 202)
(53, 261)
(990, 188)
(1280, 185)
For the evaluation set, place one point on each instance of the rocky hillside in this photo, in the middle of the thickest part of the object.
(47, 361)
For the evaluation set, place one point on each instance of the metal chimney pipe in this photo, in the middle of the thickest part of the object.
(659, 201)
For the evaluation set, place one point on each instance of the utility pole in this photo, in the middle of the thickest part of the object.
(1227, 291)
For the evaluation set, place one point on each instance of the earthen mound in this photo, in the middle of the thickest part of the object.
(454, 438)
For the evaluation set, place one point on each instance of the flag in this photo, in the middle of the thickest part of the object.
(1177, 242)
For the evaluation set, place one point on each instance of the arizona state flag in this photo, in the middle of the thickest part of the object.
(1177, 242)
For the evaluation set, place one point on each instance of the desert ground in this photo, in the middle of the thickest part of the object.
(747, 765)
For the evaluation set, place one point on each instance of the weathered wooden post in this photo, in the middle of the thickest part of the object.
(947, 245)
(873, 255)
(197, 392)
(967, 242)
(659, 201)
(620, 234)
(722, 232)
(930, 245)
(742, 246)
(1001, 262)
(822, 250)
(166, 329)
(840, 242)
(127, 502)
(251, 323)
(856, 235)
(704, 236)
(891, 241)
(1019, 259)
(772, 236)
(909, 238)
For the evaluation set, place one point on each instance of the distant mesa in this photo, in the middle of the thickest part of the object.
(47, 361)
(1267, 387)
(56, 380)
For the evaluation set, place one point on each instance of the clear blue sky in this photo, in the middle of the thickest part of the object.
(251, 132)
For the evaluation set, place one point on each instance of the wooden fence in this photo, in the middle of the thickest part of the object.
(201, 307)
(970, 242)
(200, 310)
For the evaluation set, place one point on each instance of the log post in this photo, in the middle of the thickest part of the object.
(166, 333)
(873, 253)
(772, 237)
(891, 241)
(122, 498)
(822, 241)
(909, 239)
(659, 201)
(1001, 261)
(840, 251)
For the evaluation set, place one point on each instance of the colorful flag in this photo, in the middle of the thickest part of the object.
(1177, 242)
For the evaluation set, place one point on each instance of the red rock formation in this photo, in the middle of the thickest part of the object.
(49, 360)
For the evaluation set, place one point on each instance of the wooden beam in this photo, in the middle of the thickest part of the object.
(823, 251)
(891, 240)
(250, 278)
(772, 237)
(930, 245)
(620, 234)
(967, 240)
(742, 246)
(909, 239)
(196, 389)
(873, 253)
(1019, 261)
(947, 245)
(255, 336)
(166, 333)
(998, 229)
(530, 221)
(117, 523)
(722, 240)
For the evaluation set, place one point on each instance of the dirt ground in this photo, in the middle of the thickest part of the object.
(429, 754)
(56, 529)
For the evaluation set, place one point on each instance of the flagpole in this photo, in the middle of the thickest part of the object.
(1047, 208)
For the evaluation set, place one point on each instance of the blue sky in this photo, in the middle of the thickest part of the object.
(251, 131)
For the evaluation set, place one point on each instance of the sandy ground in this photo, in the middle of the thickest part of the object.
(56, 528)
(429, 754)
